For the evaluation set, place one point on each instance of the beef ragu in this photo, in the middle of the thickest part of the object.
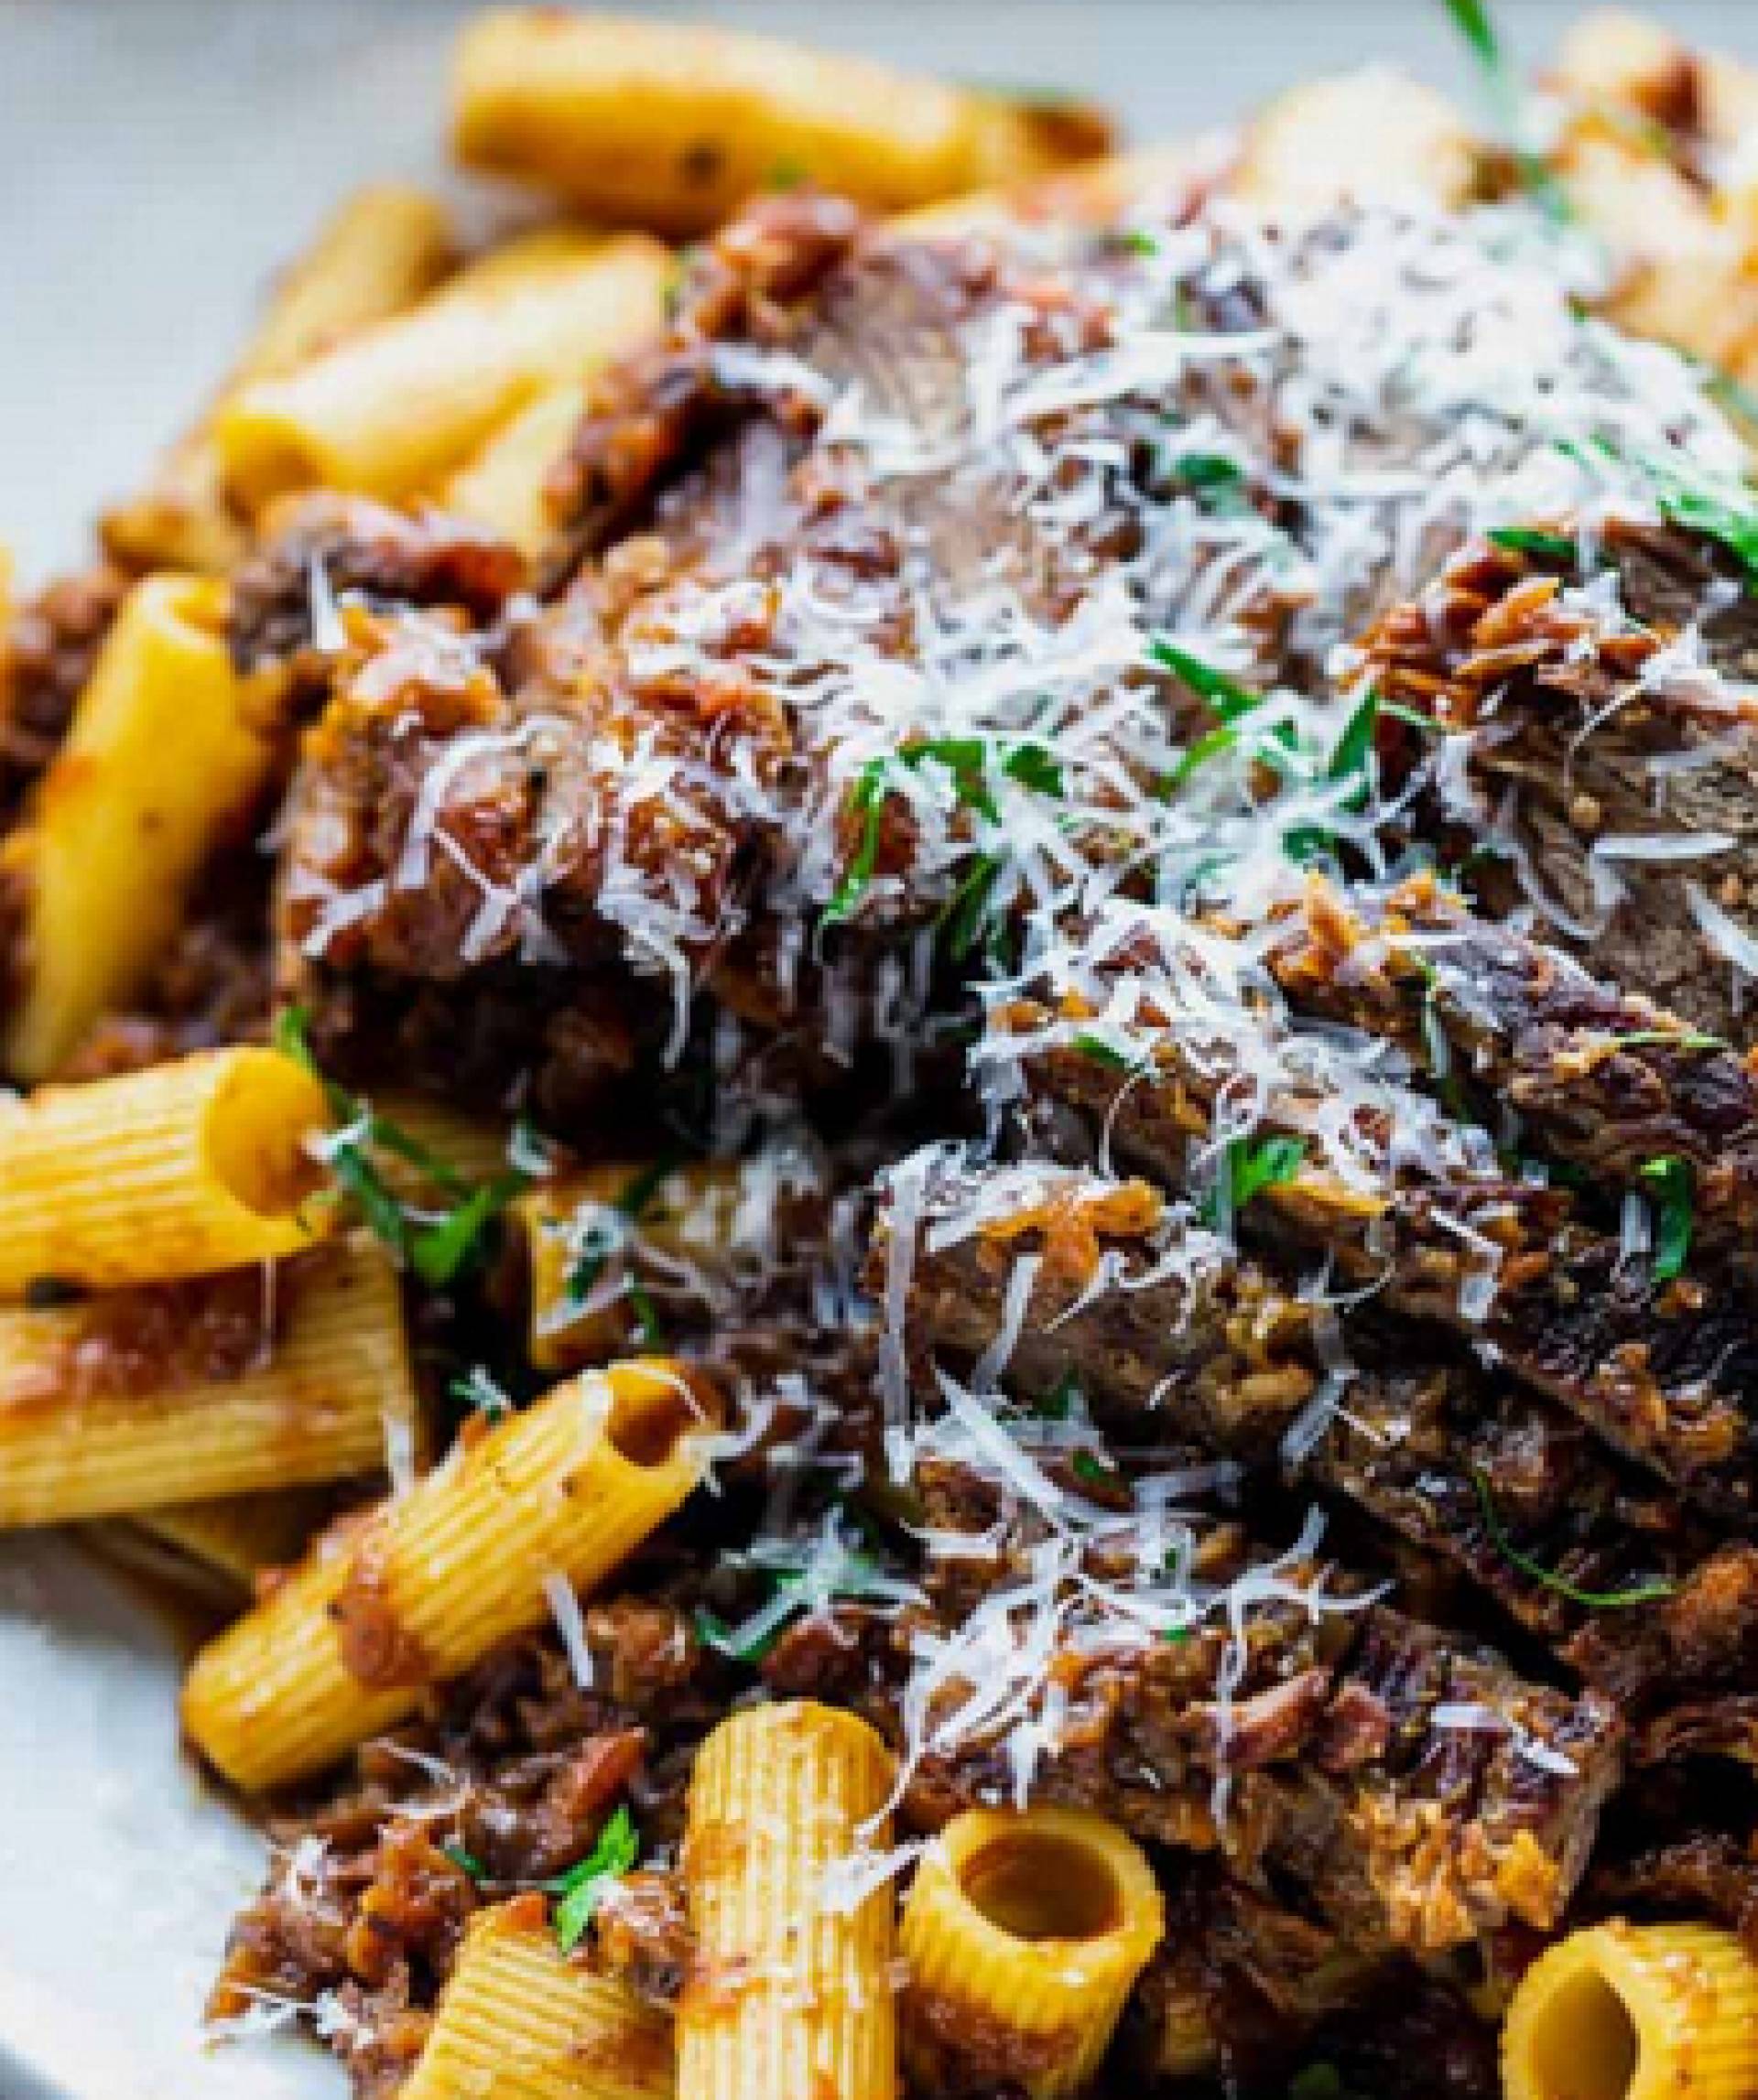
(1173, 792)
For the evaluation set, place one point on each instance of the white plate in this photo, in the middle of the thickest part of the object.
(157, 158)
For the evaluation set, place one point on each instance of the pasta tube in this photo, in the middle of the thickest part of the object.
(175, 1171)
(146, 1398)
(502, 487)
(161, 762)
(519, 2021)
(1369, 135)
(1024, 1935)
(386, 245)
(432, 1580)
(1626, 2012)
(791, 1994)
(660, 125)
(395, 410)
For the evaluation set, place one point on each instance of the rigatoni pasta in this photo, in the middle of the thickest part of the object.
(149, 1398)
(1024, 1932)
(673, 127)
(393, 410)
(175, 1171)
(791, 1994)
(521, 2021)
(162, 761)
(381, 249)
(1628, 2012)
(421, 1588)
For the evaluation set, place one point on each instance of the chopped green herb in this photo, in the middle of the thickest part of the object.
(1507, 102)
(633, 1200)
(1176, 1635)
(438, 1249)
(1717, 505)
(1400, 713)
(1225, 694)
(1673, 1183)
(965, 918)
(1059, 1403)
(1089, 1466)
(1102, 1053)
(969, 760)
(1668, 1039)
(1205, 748)
(1248, 1167)
(854, 1578)
(1207, 470)
(582, 1888)
(1140, 241)
(650, 1332)
(465, 1862)
(1595, 1600)
(476, 1388)
(1527, 539)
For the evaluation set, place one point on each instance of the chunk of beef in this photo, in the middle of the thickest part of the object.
(1594, 729)
(45, 658)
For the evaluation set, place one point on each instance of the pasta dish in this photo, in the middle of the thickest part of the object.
(877, 1013)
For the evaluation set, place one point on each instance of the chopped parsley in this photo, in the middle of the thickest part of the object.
(465, 1862)
(1228, 696)
(581, 1889)
(1668, 1039)
(1060, 1404)
(856, 1574)
(1528, 539)
(478, 1389)
(1095, 1471)
(1673, 1183)
(1248, 1167)
(969, 761)
(1104, 1053)
(1507, 102)
(439, 1243)
(1595, 1600)
(635, 1201)
(1718, 506)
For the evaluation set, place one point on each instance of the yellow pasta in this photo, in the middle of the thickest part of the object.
(432, 1580)
(584, 1249)
(175, 1171)
(791, 1994)
(161, 761)
(1024, 1935)
(502, 487)
(149, 1398)
(1628, 2012)
(1372, 134)
(673, 127)
(519, 2021)
(386, 245)
(395, 410)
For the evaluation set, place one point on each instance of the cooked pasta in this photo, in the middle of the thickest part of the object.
(1023, 1933)
(1628, 2012)
(522, 2021)
(392, 410)
(422, 1587)
(172, 1172)
(380, 250)
(790, 1995)
(147, 1397)
(985, 1327)
(162, 761)
(660, 125)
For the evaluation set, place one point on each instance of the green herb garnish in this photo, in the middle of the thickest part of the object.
(581, 1889)
(1102, 1053)
(1089, 1466)
(1059, 1404)
(1507, 103)
(1220, 690)
(476, 1388)
(1595, 1600)
(465, 1862)
(635, 1201)
(969, 760)
(1671, 1179)
(1248, 1167)
(1527, 539)
(438, 1247)
(1668, 1039)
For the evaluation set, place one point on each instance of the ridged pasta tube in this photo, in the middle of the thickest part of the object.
(395, 410)
(1635, 2012)
(791, 1994)
(175, 1171)
(673, 125)
(519, 2021)
(150, 1397)
(1023, 1933)
(425, 1585)
(161, 762)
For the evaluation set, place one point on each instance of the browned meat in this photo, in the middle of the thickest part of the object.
(643, 1937)
(343, 549)
(1581, 740)
(1712, 1876)
(44, 660)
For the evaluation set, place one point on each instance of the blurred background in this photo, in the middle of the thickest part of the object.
(158, 157)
